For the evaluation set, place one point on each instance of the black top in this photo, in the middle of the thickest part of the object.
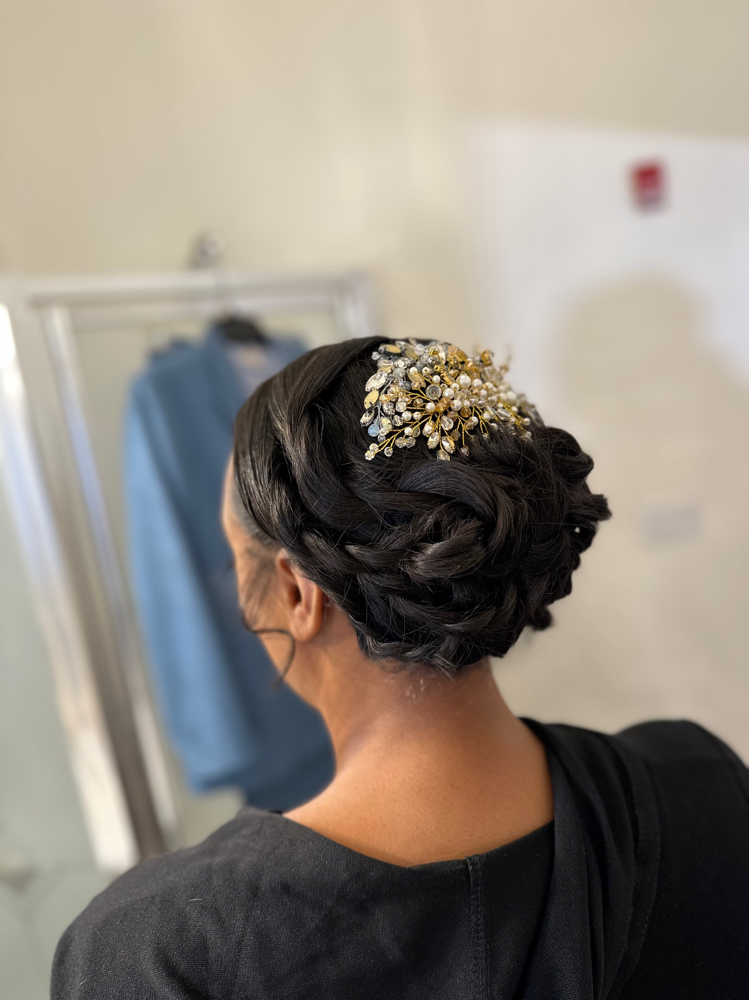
(639, 890)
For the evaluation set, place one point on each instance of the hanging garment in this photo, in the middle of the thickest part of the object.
(638, 890)
(213, 680)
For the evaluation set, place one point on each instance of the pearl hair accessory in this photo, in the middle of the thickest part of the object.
(438, 392)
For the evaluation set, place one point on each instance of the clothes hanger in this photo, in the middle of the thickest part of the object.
(241, 330)
(207, 253)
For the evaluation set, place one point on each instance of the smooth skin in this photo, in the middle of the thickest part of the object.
(427, 768)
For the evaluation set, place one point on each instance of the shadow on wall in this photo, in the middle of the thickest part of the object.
(657, 623)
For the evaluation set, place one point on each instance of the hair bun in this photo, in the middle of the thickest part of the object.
(434, 562)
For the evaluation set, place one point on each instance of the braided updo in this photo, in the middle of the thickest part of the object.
(440, 563)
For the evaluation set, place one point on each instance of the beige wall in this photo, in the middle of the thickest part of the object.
(321, 133)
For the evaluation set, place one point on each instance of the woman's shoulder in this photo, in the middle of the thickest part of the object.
(673, 740)
(693, 779)
(226, 861)
(186, 910)
(701, 783)
(660, 741)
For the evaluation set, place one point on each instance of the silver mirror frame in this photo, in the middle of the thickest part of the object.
(56, 497)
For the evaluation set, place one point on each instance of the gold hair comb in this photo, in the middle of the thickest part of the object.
(437, 391)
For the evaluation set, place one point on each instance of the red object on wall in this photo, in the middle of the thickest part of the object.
(648, 182)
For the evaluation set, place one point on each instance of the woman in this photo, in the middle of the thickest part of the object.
(398, 515)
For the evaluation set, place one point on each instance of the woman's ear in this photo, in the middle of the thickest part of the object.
(302, 600)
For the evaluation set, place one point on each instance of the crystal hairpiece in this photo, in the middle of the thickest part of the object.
(437, 391)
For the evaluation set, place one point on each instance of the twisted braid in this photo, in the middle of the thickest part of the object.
(433, 562)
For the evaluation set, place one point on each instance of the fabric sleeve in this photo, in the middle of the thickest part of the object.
(677, 739)
(170, 928)
(732, 759)
(695, 946)
(109, 961)
(151, 946)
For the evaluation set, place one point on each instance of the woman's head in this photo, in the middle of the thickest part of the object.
(439, 563)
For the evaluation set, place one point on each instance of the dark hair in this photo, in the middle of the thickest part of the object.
(434, 562)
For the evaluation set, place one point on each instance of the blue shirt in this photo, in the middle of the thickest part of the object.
(213, 680)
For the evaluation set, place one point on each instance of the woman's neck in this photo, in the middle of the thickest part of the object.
(418, 752)
(373, 711)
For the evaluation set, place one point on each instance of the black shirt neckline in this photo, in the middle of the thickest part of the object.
(310, 836)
